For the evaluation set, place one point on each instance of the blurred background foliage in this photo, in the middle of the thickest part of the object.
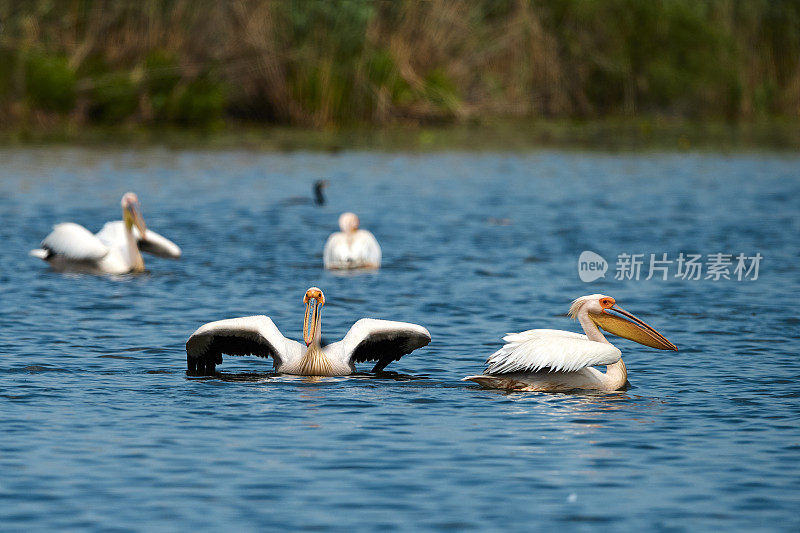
(323, 63)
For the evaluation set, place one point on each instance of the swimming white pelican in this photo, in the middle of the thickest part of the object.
(115, 249)
(557, 361)
(351, 247)
(369, 339)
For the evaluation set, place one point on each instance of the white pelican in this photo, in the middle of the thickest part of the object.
(369, 339)
(115, 249)
(351, 247)
(557, 361)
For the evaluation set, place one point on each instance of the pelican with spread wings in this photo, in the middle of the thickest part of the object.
(558, 361)
(369, 339)
(115, 249)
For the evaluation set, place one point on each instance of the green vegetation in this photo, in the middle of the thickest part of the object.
(49, 82)
(350, 63)
(512, 135)
(114, 97)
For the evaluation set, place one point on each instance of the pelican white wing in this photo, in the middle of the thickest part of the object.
(251, 335)
(74, 242)
(113, 234)
(155, 244)
(555, 350)
(383, 341)
(356, 250)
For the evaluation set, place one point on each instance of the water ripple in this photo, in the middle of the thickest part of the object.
(102, 429)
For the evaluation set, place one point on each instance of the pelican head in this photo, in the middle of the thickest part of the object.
(131, 213)
(348, 222)
(311, 323)
(605, 313)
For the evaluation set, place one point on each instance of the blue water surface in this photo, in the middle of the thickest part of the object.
(100, 427)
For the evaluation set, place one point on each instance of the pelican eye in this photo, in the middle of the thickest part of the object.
(606, 303)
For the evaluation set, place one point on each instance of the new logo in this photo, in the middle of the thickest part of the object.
(591, 266)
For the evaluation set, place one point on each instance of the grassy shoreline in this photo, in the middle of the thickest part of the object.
(641, 134)
(321, 63)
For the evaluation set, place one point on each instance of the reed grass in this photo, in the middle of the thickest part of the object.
(325, 64)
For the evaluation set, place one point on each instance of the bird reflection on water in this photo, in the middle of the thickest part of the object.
(277, 377)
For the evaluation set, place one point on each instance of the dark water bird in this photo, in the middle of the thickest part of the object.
(369, 339)
(319, 195)
(319, 186)
(552, 360)
(115, 249)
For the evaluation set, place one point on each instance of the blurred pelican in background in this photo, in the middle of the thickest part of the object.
(558, 361)
(369, 339)
(351, 247)
(115, 249)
